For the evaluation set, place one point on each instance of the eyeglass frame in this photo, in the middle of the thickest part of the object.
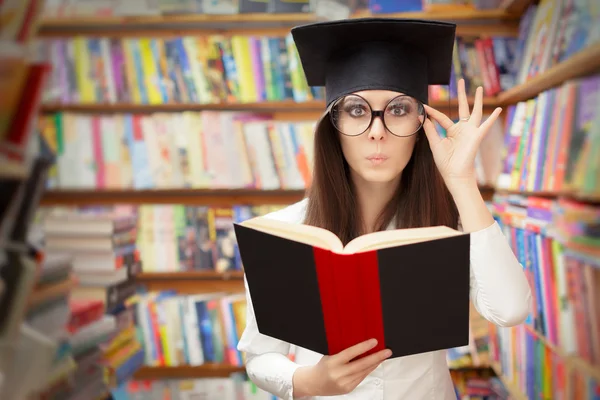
(375, 114)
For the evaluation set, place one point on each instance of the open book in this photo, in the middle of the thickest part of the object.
(408, 288)
(323, 238)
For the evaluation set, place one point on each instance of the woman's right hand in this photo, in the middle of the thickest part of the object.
(340, 373)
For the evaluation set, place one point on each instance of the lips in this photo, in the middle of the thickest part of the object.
(377, 159)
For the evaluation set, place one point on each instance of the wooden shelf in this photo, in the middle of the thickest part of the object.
(12, 170)
(87, 23)
(505, 29)
(190, 282)
(186, 371)
(581, 64)
(512, 389)
(316, 107)
(216, 197)
(267, 106)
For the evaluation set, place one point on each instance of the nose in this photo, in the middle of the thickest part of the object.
(377, 130)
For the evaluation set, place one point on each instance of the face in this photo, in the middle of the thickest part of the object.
(376, 155)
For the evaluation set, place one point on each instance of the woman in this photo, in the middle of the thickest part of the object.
(381, 164)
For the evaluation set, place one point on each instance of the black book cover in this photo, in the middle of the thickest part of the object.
(413, 298)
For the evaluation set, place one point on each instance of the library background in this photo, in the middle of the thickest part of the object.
(128, 149)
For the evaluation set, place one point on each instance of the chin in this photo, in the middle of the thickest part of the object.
(379, 176)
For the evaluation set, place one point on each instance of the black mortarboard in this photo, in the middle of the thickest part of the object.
(402, 55)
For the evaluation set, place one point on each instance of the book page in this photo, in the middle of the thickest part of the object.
(308, 234)
(396, 237)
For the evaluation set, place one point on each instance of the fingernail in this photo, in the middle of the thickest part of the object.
(373, 342)
(388, 353)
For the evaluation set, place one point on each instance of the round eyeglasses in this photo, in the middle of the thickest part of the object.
(352, 115)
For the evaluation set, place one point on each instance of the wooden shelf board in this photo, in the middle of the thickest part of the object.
(506, 29)
(167, 21)
(217, 197)
(220, 197)
(186, 371)
(267, 106)
(512, 388)
(12, 170)
(581, 64)
(190, 282)
(316, 107)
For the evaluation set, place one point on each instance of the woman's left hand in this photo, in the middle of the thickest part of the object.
(455, 154)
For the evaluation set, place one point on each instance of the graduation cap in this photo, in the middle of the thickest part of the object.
(402, 55)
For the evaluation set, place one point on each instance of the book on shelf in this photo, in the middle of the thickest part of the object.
(334, 282)
(203, 69)
(207, 150)
(556, 241)
(552, 141)
(192, 330)
(216, 69)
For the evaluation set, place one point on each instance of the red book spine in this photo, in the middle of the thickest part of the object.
(350, 299)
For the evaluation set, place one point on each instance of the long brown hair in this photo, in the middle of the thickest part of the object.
(422, 199)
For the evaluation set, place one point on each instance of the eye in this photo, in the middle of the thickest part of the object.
(355, 110)
(398, 109)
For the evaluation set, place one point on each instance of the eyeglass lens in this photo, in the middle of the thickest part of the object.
(403, 116)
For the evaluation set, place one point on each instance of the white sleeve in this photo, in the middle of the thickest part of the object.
(499, 288)
(267, 362)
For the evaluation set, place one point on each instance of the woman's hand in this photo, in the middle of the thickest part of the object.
(338, 374)
(455, 154)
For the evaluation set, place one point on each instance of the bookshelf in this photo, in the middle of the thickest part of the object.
(201, 282)
(503, 21)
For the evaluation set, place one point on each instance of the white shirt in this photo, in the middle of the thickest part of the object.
(499, 291)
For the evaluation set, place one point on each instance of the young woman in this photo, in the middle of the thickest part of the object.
(381, 164)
